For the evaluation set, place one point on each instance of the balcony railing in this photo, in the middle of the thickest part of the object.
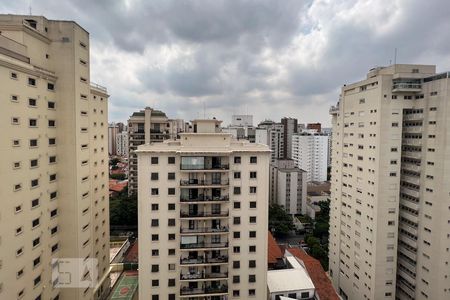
(196, 182)
(204, 245)
(207, 290)
(203, 167)
(203, 275)
(200, 214)
(204, 230)
(202, 260)
(204, 198)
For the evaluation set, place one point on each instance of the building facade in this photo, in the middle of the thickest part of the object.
(113, 131)
(310, 153)
(54, 159)
(144, 127)
(122, 144)
(271, 134)
(389, 235)
(290, 127)
(203, 210)
(288, 186)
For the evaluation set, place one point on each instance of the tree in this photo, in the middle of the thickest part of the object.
(280, 222)
(123, 209)
(118, 176)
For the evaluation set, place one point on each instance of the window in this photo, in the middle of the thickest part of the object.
(155, 192)
(55, 247)
(154, 206)
(36, 261)
(171, 236)
(52, 177)
(155, 268)
(171, 282)
(253, 190)
(52, 159)
(252, 248)
(154, 176)
(251, 278)
(171, 206)
(51, 123)
(15, 120)
(171, 222)
(171, 176)
(236, 235)
(252, 292)
(13, 75)
(236, 264)
(236, 293)
(171, 252)
(171, 191)
(236, 220)
(237, 159)
(53, 195)
(304, 295)
(32, 122)
(252, 204)
(155, 297)
(237, 175)
(252, 263)
(154, 160)
(33, 163)
(154, 222)
(155, 282)
(236, 204)
(237, 190)
(252, 175)
(252, 234)
(31, 81)
(33, 143)
(253, 159)
(252, 220)
(236, 279)
(171, 160)
(236, 249)
(155, 237)
(362, 101)
(16, 143)
(36, 242)
(50, 86)
(52, 141)
(34, 183)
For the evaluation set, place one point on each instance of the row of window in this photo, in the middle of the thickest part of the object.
(33, 81)
(34, 182)
(33, 143)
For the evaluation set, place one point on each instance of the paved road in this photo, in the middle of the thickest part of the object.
(292, 239)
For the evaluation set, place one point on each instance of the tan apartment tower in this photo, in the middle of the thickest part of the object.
(203, 210)
(53, 159)
(390, 203)
(145, 126)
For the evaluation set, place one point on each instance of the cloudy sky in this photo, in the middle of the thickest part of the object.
(267, 58)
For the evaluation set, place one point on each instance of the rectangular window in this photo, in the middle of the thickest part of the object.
(32, 102)
(252, 175)
(50, 86)
(51, 123)
(51, 105)
(31, 81)
(252, 234)
(237, 175)
(253, 190)
(155, 192)
(154, 160)
(171, 160)
(171, 176)
(237, 159)
(171, 191)
(52, 141)
(32, 122)
(253, 159)
(252, 220)
(237, 190)
(154, 176)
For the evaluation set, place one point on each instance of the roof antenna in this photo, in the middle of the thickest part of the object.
(30, 7)
(395, 56)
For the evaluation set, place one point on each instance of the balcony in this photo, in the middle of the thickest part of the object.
(412, 142)
(203, 183)
(204, 214)
(410, 167)
(203, 260)
(205, 198)
(203, 245)
(412, 154)
(206, 291)
(203, 276)
(334, 110)
(406, 85)
(202, 163)
(201, 230)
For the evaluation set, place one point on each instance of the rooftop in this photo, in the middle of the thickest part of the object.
(274, 251)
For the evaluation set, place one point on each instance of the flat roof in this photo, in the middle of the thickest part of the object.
(126, 287)
(286, 280)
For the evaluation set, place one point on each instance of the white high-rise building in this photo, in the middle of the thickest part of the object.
(242, 120)
(113, 130)
(53, 161)
(271, 134)
(288, 186)
(310, 153)
(390, 207)
(122, 143)
(203, 211)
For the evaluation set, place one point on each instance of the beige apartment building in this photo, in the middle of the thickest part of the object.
(145, 126)
(53, 158)
(203, 210)
(390, 204)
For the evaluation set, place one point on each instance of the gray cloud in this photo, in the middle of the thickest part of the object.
(267, 58)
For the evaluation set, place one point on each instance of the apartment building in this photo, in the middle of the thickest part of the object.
(113, 131)
(271, 134)
(390, 208)
(290, 127)
(288, 186)
(203, 210)
(145, 126)
(122, 144)
(241, 127)
(53, 158)
(310, 153)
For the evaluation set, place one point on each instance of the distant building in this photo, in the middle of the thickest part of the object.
(241, 127)
(272, 134)
(310, 153)
(113, 130)
(329, 132)
(122, 144)
(242, 120)
(144, 127)
(314, 126)
(288, 186)
(176, 126)
(290, 127)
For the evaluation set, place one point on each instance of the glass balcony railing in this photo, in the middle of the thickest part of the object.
(203, 275)
(204, 230)
(201, 245)
(203, 198)
(199, 182)
(203, 260)
(206, 290)
(199, 214)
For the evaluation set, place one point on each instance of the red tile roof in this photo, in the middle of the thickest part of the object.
(116, 186)
(318, 276)
(274, 250)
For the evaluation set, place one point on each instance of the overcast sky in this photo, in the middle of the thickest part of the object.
(266, 58)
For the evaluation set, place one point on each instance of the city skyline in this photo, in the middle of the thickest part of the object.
(258, 58)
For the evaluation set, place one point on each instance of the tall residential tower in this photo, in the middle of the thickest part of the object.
(53, 159)
(390, 208)
(203, 210)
